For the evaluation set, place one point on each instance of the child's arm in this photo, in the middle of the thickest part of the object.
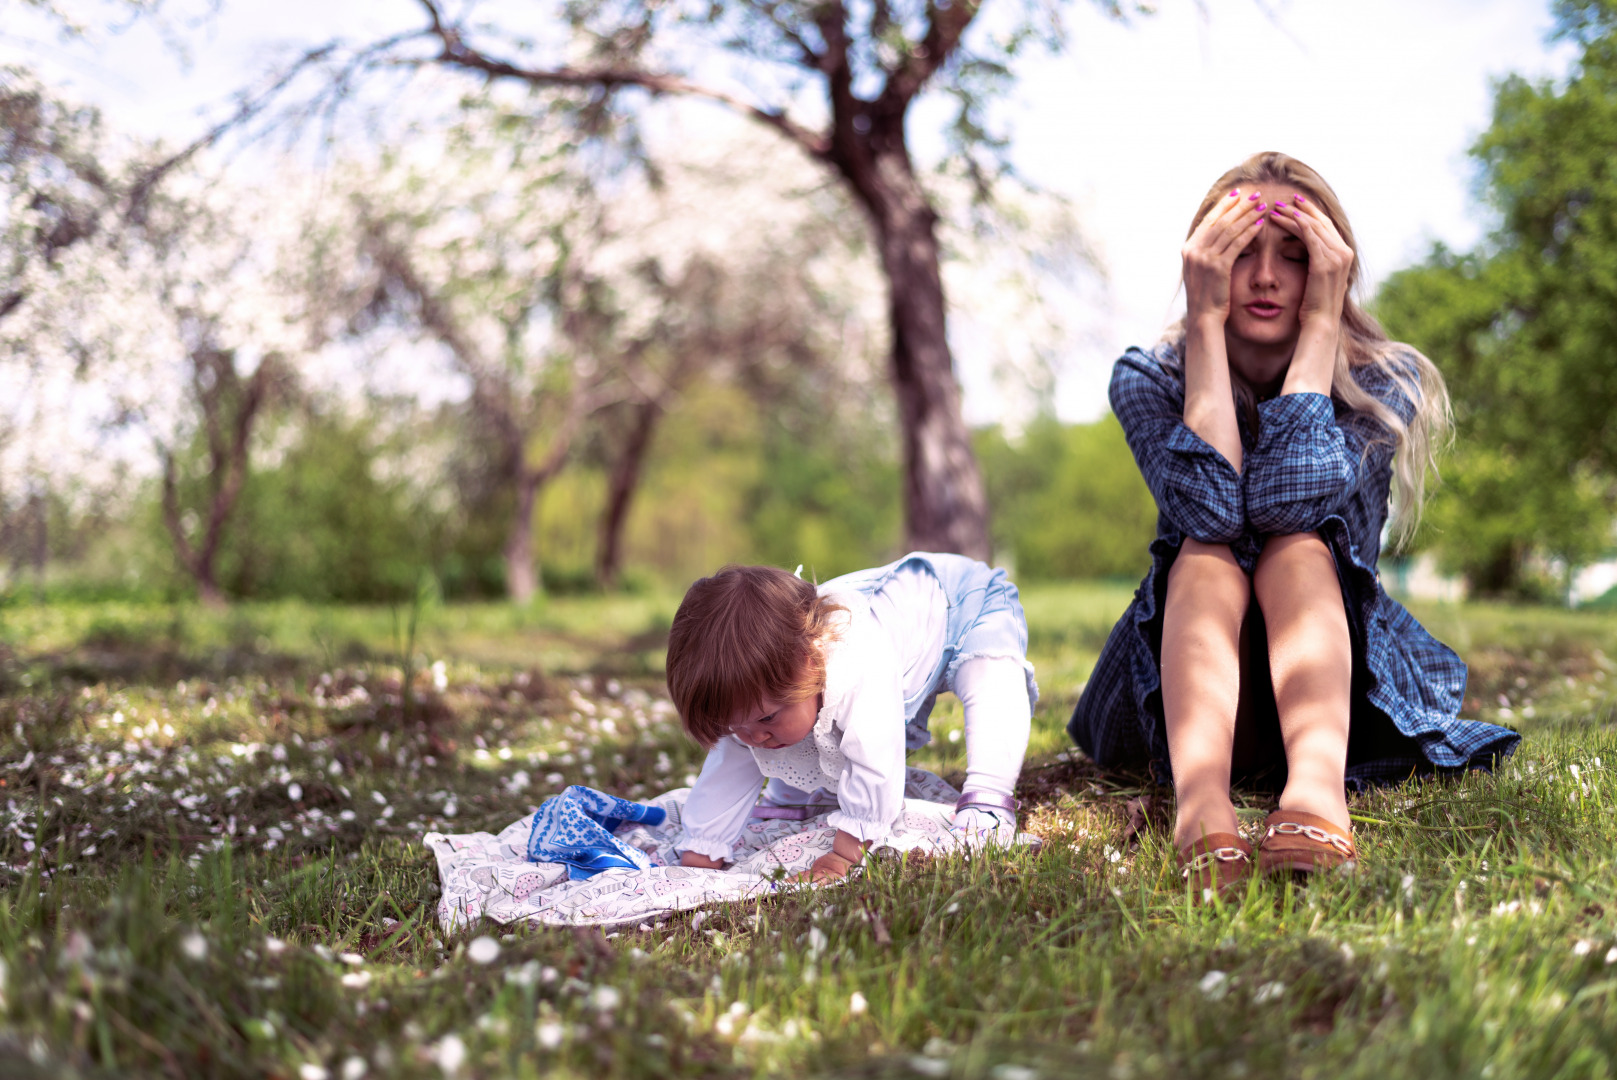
(716, 809)
(870, 788)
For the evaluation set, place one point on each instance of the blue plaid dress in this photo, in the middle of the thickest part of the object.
(1313, 466)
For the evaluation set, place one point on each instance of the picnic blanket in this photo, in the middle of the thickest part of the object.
(491, 876)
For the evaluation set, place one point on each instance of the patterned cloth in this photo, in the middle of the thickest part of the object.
(489, 876)
(1312, 466)
(576, 827)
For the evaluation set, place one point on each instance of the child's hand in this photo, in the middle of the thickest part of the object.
(828, 867)
(701, 862)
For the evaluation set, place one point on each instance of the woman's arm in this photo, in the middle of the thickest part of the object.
(1193, 483)
(1330, 267)
(1308, 462)
(1209, 257)
(717, 808)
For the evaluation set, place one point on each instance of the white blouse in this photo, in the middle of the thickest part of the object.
(886, 648)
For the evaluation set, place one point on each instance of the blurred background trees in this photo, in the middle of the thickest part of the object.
(1524, 327)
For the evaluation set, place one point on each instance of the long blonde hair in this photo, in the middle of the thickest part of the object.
(1361, 342)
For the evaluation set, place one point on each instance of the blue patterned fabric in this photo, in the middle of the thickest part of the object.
(576, 828)
(1313, 466)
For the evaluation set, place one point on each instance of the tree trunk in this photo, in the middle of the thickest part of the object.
(521, 568)
(945, 504)
(620, 491)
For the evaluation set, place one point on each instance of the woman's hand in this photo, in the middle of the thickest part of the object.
(1209, 255)
(701, 862)
(1330, 265)
(1330, 262)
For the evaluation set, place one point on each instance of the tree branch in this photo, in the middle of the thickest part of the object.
(944, 29)
(456, 53)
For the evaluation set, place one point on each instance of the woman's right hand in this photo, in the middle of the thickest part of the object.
(1209, 255)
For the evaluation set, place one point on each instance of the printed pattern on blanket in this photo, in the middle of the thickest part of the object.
(487, 875)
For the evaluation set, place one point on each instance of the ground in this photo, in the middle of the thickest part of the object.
(210, 865)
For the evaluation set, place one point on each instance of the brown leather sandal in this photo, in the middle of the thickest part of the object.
(1293, 840)
(1217, 864)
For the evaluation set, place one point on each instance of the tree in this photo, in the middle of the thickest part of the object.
(870, 62)
(138, 298)
(580, 311)
(1523, 326)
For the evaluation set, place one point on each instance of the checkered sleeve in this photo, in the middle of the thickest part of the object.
(1195, 486)
(1312, 456)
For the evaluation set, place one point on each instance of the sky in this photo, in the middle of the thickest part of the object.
(1132, 122)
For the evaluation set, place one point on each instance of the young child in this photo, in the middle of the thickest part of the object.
(1271, 426)
(823, 691)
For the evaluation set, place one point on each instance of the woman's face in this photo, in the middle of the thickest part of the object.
(1267, 282)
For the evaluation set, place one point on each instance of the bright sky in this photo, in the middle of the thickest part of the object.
(1381, 96)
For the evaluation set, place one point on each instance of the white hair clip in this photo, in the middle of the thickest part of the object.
(798, 573)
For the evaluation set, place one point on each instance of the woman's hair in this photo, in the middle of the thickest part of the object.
(745, 634)
(1362, 342)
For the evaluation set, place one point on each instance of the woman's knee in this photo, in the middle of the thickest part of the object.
(1208, 574)
(1296, 576)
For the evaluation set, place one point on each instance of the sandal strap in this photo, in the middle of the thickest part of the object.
(1211, 850)
(1213, 856)
(988, 799)
(1298, 824)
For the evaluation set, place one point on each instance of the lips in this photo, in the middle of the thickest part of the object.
(1263, 309)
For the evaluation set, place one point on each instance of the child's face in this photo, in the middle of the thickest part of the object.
(773, 725)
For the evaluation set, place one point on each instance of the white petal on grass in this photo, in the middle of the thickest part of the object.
(1611, 955)
(294, 791)
(194, 946)
(1214, 985)
(353, 959)
(357, 980)
(1269, 991)
(857, 1004)
(310, 1071)
(605, 998)
(1582, 947)
(483, 950)
(450, 1054)
(549, 1033)
(354, 1068)
(1008, 1071)
(273, 945)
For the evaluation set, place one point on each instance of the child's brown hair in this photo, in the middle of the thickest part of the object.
(745, 634)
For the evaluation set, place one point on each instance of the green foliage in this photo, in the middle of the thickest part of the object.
(1523, 326)
(1068, 500)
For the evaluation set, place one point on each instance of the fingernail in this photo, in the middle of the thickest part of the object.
(1297, 213)
(1254, 195)
(1301, 199)
(1234, 193)
(1279, 203)
(1263, 206)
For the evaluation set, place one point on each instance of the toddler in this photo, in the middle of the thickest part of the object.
(823, 691)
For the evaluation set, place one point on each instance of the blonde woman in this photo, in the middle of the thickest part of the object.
(1271, 426)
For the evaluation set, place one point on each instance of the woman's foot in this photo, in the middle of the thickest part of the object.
(1216, 865)
(1294, 840)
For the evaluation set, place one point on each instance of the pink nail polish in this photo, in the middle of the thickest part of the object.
(1234, 193)
(1279, 203)
(1254, 195)
(1263, 206)
(1301, 199)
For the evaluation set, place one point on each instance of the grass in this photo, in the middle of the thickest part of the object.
(210, 866)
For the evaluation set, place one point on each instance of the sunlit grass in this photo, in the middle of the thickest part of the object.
(210, 866)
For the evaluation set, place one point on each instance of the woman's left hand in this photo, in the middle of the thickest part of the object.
(1330, 261)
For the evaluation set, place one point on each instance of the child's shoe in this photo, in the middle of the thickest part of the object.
(986, 816)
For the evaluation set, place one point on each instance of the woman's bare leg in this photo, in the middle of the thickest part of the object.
(1311, 658)
(1208, 593)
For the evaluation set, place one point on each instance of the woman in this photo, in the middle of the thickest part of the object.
(1270, 427)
